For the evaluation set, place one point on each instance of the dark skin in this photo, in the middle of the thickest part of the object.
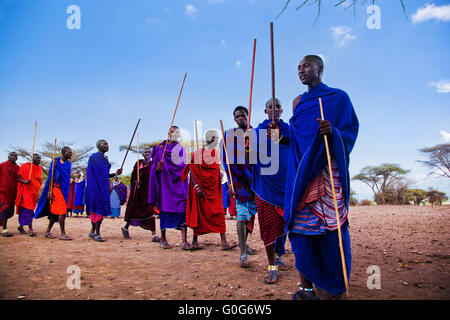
(12, 157)
(310, 74)
(66, 156)
(278, 112)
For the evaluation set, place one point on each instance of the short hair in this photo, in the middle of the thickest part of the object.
(316, 59)
(240, 108)
(36, 155)
(174, 127)
(211, 132)
(277, 102)
(64, 149)
(99, 141)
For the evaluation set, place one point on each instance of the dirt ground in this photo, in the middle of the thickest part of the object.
(410, 245)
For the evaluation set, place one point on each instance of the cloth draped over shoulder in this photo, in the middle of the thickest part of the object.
(8, 184)
(206, 214)
(61, 177)
(79, 197)
(307, 155)
(27, 194)
(166, 190)
(121, 190)
(97, 189)
(270, 187)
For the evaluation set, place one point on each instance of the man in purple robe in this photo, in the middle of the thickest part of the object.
(166, 190)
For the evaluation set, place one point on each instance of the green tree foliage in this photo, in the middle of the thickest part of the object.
(436, 197)
(380, 179)
(438, 159)
(352, 201)
(418, 195)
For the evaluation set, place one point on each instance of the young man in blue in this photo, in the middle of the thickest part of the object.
(309, 208)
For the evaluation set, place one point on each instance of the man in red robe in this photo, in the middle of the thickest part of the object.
(204, 205)
(8, 191)
(27, 193)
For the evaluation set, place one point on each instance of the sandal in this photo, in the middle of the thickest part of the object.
(125, 233)
(31, 234)
(155, 238)
(99, 238)
(21, 230)
(91, 235)
(229, 247)
(48, 235)
(250, 251)
(271, 276)
(281, 265)
(301, 294)
(243, 261)
(187, 246)
(65, 238)
(165, 245)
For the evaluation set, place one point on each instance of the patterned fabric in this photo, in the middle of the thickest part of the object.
(58, 206)
(25, 216)
(114, 199)
(245, 210)
(271, 221)
(121, 190)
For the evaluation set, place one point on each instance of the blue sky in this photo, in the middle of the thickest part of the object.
(129, 58)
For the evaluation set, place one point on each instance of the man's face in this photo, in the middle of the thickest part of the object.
(147, 153)
(79, 175)
(174, 134)
(309, 72)
(12, 157)
(36, 159)
(103, 146)
(212, 141)
(241, 118)
(278, 109)
(67, 154)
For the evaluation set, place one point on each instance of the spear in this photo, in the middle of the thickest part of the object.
(53, 171)
(32, 152)
(338, 220)
(129, 146)
(173, 118)
(226, 156)
(273, 74)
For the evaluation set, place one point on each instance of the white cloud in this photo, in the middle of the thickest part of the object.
(222, 42)
(442, 86)
(445, 135)
(238, 64)
(342, 35)
(431, 11)
(190, 10)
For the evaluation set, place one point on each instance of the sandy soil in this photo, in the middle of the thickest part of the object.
(410, 245)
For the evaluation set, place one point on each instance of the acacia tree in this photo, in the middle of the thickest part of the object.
(438, 159)
(419, 195)
(380, 179)
(78, 160)
(436, 197)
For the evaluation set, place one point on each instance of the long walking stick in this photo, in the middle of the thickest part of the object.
(344, 269)
(251, 85)
(129, 146)
(226, 156)
(138, 164)
(53, 171)
(273, 74)
(32, 152)
(173, 118)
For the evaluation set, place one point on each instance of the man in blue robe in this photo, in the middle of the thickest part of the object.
(309, 209)
(97, 190)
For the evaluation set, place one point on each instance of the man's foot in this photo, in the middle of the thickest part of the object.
(31, 233)
(65, 238)
(99, 238)
(6, 234)
(250, 251)
(48, 235)
(227, 246)
(155, 238)
(187, 246)
(271, 276)
(243, 261)
(196, 246)
(302, 294)
(281, 265)
(125, 233)
(165, 245)
(21, 230)
(91, 235)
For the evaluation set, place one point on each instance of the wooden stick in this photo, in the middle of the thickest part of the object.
(129, 146)
(251, 85)
(344, 269)
(273, 73)
(53, 170)
(226, 156)
(32, 152)
(173, 118)
(138, 164)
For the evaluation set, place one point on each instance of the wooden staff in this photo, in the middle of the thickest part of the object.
(196, 138)
(32, 152)
(173, 118)
(344, 269)
(273, 74)
(53, 170)
(129, 146)
(251, 85)
(138, 164)
(226, 156)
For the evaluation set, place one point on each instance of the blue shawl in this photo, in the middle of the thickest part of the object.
(61, 176)
(270, 188)
(307, 155)
(97, 189)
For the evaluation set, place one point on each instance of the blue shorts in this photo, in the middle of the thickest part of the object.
(245, 210)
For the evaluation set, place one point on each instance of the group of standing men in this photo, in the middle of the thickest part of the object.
(295, 200)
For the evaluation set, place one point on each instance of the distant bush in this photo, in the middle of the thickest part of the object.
(365, 203)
